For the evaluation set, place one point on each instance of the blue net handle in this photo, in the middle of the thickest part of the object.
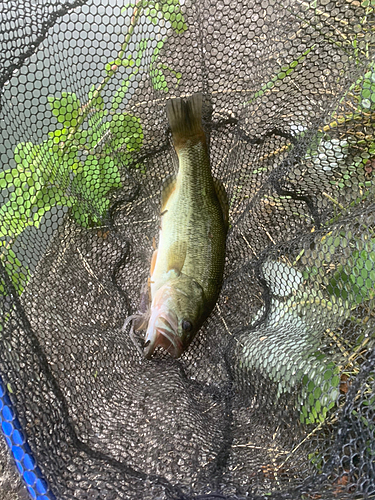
(26, 464)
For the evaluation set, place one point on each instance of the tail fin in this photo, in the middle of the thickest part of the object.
(185, 120)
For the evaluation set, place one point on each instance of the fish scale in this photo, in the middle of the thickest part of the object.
(194, 220)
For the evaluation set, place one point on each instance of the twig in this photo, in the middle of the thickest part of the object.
(91, 272)
(226, 326)
(333, 200)
(317, 428)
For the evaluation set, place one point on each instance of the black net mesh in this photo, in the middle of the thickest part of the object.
(275, 397)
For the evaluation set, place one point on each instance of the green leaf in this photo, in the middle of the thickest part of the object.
(30, 156)
(127, 6)
(355, 281)
(13, 219)
(47, 163)
(88, 216)
(157, 50)
(18, 274)
(319, 393)
(13, 177)
(66, 109)
(19, 212)
(169, 10)
(120, 94)
(158, 80)
(99, 175)
(364, 89)
(128, 62)
(126, 130)
(47, 198)
(140, 51)
(58, 137)
(40, 179)
(109, 67)
(90, 188)
(97, 119)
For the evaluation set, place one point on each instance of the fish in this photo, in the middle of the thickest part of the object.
(187, 266)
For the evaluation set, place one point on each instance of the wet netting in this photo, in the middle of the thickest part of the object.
(275, 397)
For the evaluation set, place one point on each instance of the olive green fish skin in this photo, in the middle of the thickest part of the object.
(193, 226)
(187, 269)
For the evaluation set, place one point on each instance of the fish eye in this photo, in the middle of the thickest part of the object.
(187, 325)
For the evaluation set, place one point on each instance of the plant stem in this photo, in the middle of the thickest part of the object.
(341, 119)
(136, 15)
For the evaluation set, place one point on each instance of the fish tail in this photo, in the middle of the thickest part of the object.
(185, 120)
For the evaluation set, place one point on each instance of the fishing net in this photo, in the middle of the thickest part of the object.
(275, 397)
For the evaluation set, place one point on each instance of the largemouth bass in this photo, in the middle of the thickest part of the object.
(187, 267)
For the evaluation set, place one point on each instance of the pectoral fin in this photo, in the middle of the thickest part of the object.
(153, 261)
(141, 320)
(176, 256)
(223, 199)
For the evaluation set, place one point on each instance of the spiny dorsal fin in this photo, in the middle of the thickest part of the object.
(185, 120)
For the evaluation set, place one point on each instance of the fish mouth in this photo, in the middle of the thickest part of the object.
(162, 332)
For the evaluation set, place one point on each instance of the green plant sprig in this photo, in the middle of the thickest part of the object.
(74, 167)
(170, 11)
(111, 71)
(284, 71)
